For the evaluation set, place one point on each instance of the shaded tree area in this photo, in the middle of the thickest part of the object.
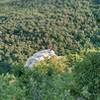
(4, 67)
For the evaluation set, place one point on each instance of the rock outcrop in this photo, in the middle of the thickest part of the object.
(39, 56)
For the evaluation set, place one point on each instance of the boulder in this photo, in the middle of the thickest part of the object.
(39, 56)
(0, 32)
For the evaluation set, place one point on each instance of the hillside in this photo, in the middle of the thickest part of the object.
(49, 50)
(32, 25)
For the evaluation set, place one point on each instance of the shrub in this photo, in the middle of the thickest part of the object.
(46, 81)
(10, 88)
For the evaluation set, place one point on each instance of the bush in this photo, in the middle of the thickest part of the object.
(87, 75)
(46, 81)
(10, 88)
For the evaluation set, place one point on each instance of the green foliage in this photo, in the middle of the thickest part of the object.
(63, 24)
(87, 74)
(10, 89)
(53, 80)
(44, 82)
(27, 26)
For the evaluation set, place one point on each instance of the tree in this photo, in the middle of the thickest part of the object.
(87, 74)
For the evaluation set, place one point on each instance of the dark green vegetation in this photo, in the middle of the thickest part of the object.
(54, 81)
(87, 74)
(69, 26)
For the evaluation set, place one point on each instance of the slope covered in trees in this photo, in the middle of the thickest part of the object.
(31, 25)
(71, 27)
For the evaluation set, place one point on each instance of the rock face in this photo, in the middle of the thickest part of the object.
(39, 56)
(0, 32)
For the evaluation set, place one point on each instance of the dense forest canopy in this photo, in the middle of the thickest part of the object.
(71, 28)
(31, 25)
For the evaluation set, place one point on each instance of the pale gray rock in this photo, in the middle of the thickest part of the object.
(39, 56)
(0, 32)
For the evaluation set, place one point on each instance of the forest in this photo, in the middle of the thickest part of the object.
(71, 28)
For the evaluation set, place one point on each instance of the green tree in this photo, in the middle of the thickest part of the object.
(87, 74)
